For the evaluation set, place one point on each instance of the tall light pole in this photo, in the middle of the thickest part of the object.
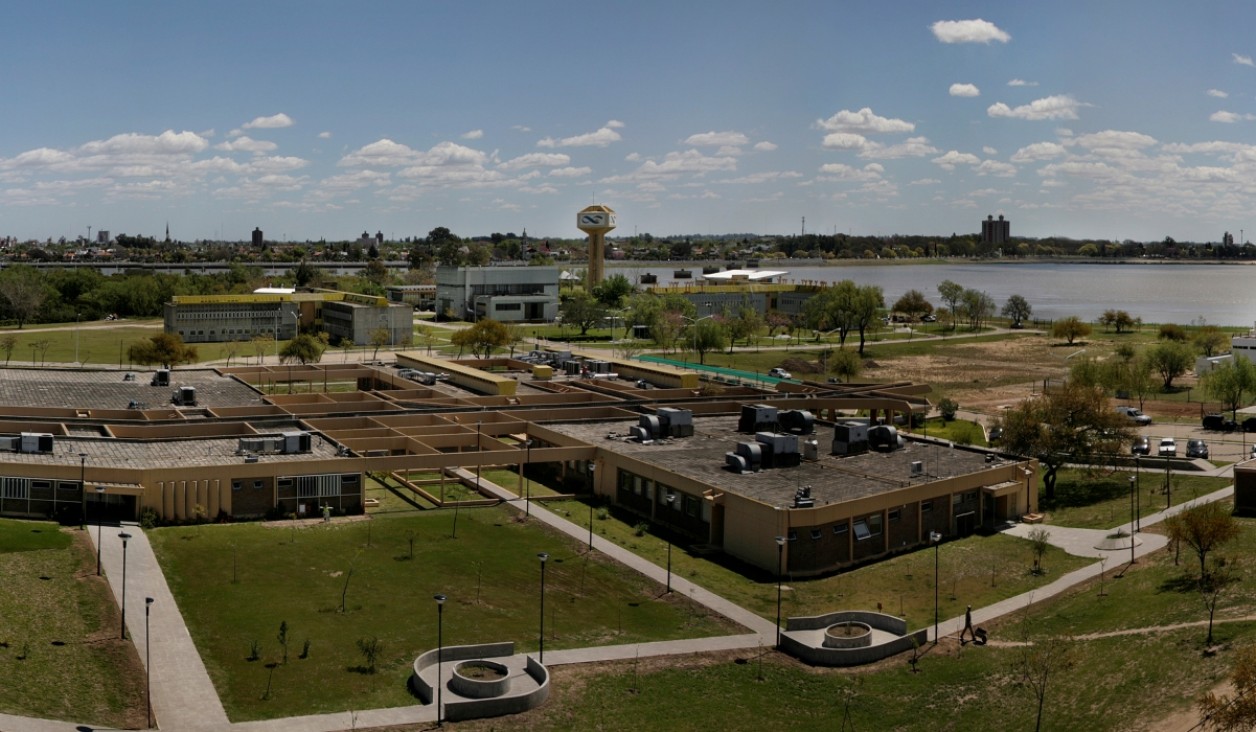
(440, 651)
(780, 564)
(1133, 490)
(1168, 483)
(83, 490)
(148, 662)
(100, 521)
(76, 338)
(124, 537)
(671, 497)
(936, 538)
(544, 557)
(694, 327)
(527, 485)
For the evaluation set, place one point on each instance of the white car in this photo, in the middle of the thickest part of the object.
(1168, 447)
(779, 373)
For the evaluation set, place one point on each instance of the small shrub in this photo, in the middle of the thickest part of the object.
(148, 519)
(1172, 332)
(640, 528)
(947, 408)
(305, 649)
(370, 648)
(255, 651)
(602, 514)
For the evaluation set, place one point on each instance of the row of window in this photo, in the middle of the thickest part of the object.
(20, 488)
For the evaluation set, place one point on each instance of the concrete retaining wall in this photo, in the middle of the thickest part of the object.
(880, 621)
(820, 656)
(510, 703)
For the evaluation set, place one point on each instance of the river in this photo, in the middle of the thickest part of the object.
(1159, 292)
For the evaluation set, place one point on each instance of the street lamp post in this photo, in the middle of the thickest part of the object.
(1133, 491)
(100, 521)
(83, 490)
(124, 537)
(527, 486)
(1138, 497)
(1168, 483)
(440, 645)
(780, 560)
(544, 557)
(669, 499)
(148, 662)
(936, 539)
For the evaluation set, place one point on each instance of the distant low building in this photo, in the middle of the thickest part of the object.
(282, 314)
(996, 232)
(507, 294)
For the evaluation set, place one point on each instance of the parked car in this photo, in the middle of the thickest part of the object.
(994, 435)
(1142, 446)
(779, 373)
(1253, 453)
(1135, 415)
(1196, 449)
(1249, 424)
(928, 318)
(1168, 447)
(1218, 422)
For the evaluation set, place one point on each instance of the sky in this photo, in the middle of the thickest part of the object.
(312, 120)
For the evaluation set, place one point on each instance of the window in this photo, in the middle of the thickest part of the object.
(861, 530)
(894, 514)
(16, 488)
(926, 506)
(868, 527)
(41, 485)
(957, 498)
(874, 524)
(815, 534)
(237, 485)
(257, 485)
(793, 536)
(501, 306)
(840, 529)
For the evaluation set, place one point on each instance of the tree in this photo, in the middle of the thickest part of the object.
(1235, 713)
(951, 293)
(1229, 382)
(1037, 663)
(370, 648)
(166, 349)
(1070, 329)
(977, 307)
(261, 344)
(705, 336)
(482, 338)
(743, 326)
(865, 308)
(306, 274)
(1072, 424)
(1172, 332)
(7, 343)
(303, 349)
(947, 407)
(845, 365)
(1220, 578)
(1209, 340)
(913, 304)
(23, 291)
(376, 272)
(582, 311)
(612, 290)
(1170, 359)
(1039, 542)
(379, 338)
(1203, 528)
(1017, 310)
(1118, 319)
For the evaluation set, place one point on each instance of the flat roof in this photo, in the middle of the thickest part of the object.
(154, 454)
(754, 275)
(91, 389)
(833, 479)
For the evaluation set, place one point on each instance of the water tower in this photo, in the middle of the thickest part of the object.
(595, 221)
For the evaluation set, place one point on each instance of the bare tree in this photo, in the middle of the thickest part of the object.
(1036, 665)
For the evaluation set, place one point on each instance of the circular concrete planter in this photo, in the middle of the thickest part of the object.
(480, 679)
(848, 634)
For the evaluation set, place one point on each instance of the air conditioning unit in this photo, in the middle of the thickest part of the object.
(798, 421)
(296, 442)
(184, 396)
(757, 418)
(161, 377)
(652, 425)
(640, 434)
(917, 468)
(36, 442)
(811, 450)
(736, 463)
(884, 437)
(11, 443)
(676, 422)
(752, 452)
(850, 438)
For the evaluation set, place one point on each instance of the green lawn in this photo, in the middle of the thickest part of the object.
(60, 652)
(1094, 500)
(490, 574)
(974, 571)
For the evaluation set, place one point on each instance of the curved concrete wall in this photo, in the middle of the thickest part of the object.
(510, 703)
(820, 656)
(880, 621)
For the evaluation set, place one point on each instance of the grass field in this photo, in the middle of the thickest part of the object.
(60, 654)
(490, 574)
(1093, 500)
(974, 571)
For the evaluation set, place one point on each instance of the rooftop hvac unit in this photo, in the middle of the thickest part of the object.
(752, 452)
(652, 426)
(798, 421)
(676, 422)
(265, 444)
(296, 442)
(640, 434)
(599, 367)
(780, 450)
(917, 468)
(850, 438)
(757, 418)
(37, 442)
(250, 458)
(884, 437)
(811, 450)
(184, 396)
(571, 368)
(802, 497)
(736, 463)
(161, 378)
(11, 444)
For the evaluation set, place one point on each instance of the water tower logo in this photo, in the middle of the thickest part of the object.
(595, 221)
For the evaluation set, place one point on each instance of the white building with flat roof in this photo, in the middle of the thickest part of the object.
(506, 294)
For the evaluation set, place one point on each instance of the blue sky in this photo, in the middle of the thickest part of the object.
(320, 120)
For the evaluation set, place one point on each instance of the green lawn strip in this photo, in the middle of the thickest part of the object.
(509, 480)
(60, 652)
(490, 573)
(1093, 500)
(960, 431)
(974, 571)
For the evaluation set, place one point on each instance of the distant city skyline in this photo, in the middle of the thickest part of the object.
(313, 120)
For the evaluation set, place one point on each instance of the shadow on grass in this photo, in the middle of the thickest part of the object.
(1181, 584)
(1075, 493)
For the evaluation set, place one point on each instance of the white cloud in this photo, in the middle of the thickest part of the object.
(601, 138)
(246, 144)
(995, 168)
(953, 158)
(633, 157)
(167, 143)
(839, 171)
(965, 90)
(269, 123)
(987, 150)
(1060, 106)
(1229, 117)
(845, 141)
(864, 121)
(925, 182)
(1242, 60)
(324, 135)
(1039, 151)
(536, 160)
(570, 172)
(763, 177)
(1021, 82)
(968, 31)
(43, 157)
(765, 146)
(1217, 93)
(380, 152)
(473, 134)
(913, 147)
(720, 139)
(1108, 139)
